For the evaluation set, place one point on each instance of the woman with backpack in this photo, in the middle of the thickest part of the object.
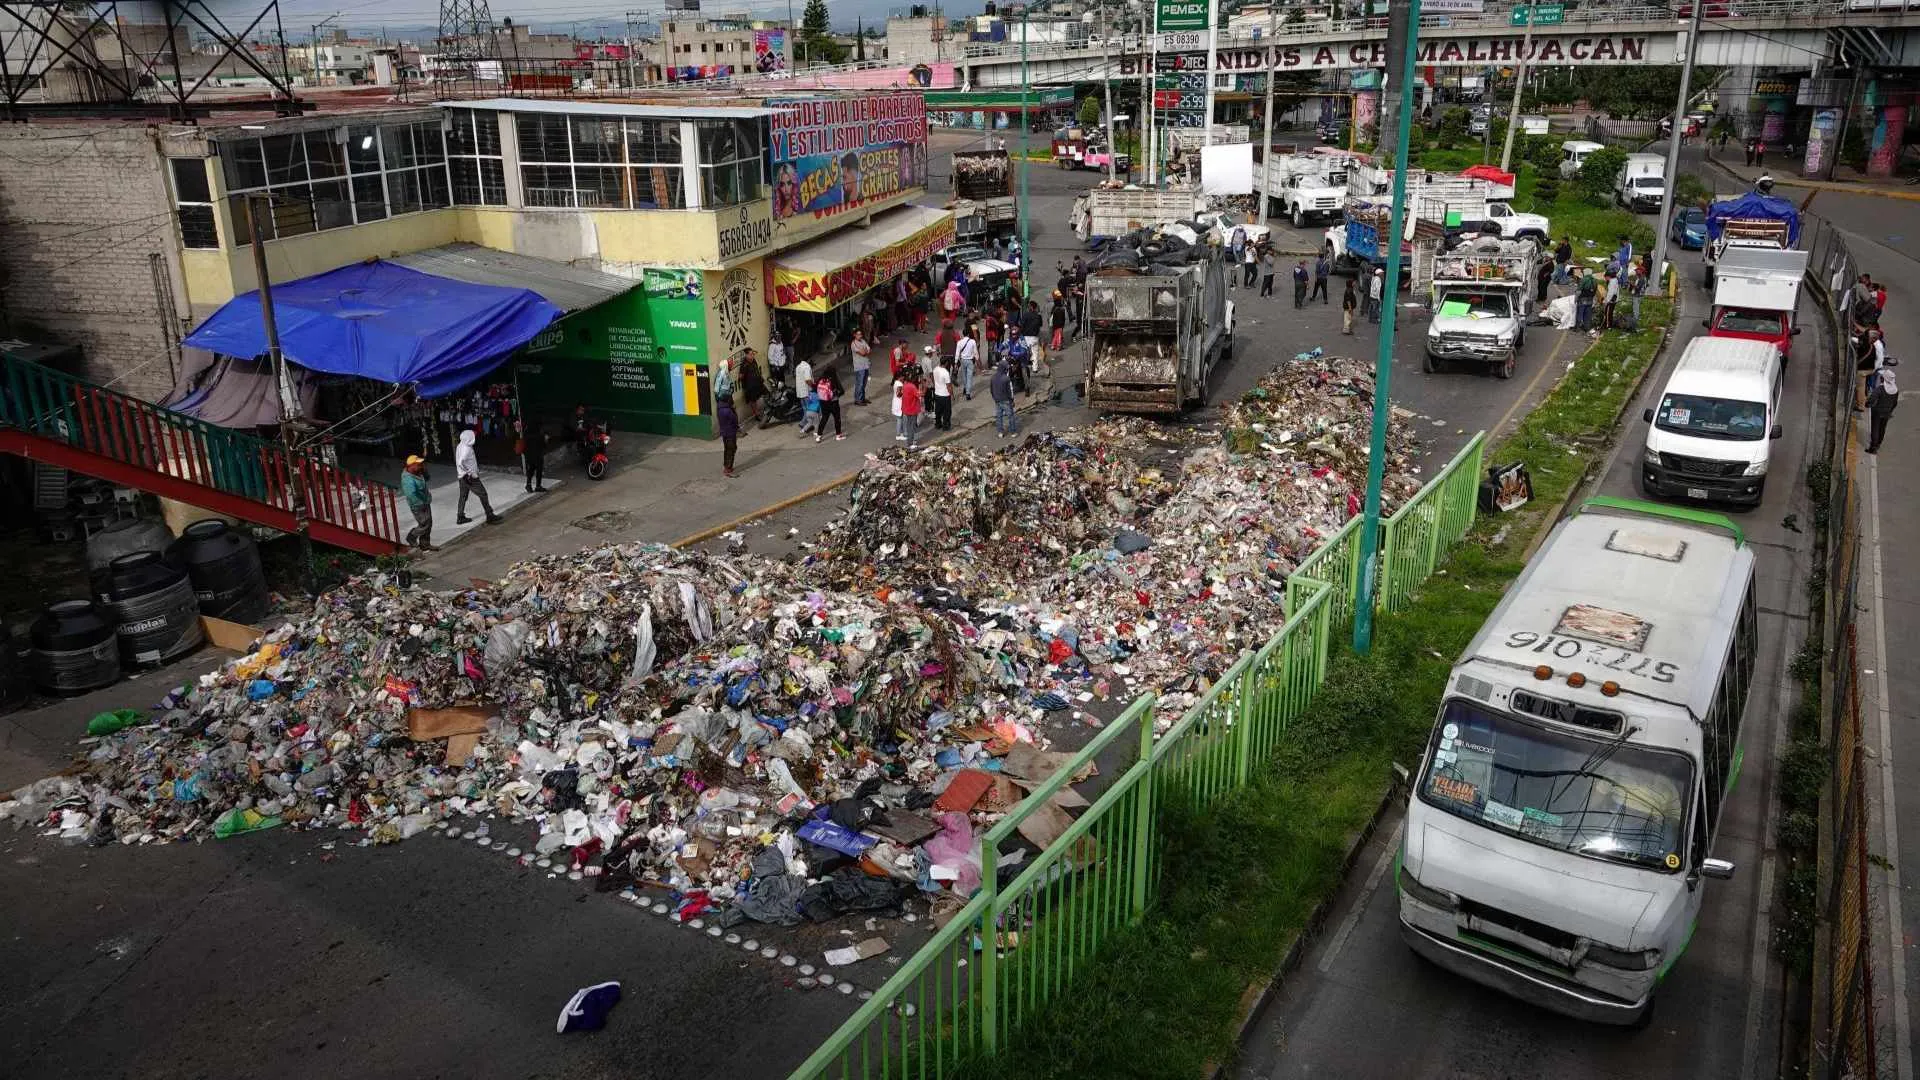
(827, 389)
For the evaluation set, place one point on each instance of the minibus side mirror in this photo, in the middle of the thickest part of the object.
(1796, 331)
(1777, 431)
(1719, 869)
(1647, 415)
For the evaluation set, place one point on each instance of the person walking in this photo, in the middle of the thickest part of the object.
(1542, 280)
(1636, 288)
(910, 404)
(1881, 401)
(1322, 269)
(967, 358)
(942, 396)
(1001, 389)
(776, 358)
(1300, 278)
(899, 418)
(802, 382)
(1349, 300)
(810, 413)
(1376, 294)
(413, 488)
(532, 445)
(1584, 292)
(1612, 300)
(1250, 259)
(466, 466)
(753, 385)
(1871, 358)
(862, 366)
(1562, 259)
(1057, 319)
(1030, 331)
(1236, 250)
(728, 422)
(827, 389)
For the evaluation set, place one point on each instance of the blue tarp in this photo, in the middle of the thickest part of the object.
(1754, 205)
(384, 322)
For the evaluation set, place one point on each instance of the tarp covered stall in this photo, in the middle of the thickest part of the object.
(828, 272)
(386, 322)
(1755, 206)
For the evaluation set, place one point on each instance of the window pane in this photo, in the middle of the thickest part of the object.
(363, 152)
(196, 227)
(369, 199)
(543, 138)
(486, 132)
(493, 183)
(596, 140)
(466, 181)
(547, 185)
(292, 212)
(396, 140)
(428, 145)
(460, 133)
(651, 141)
(716, 141)
(658, 188)
(190, 181)
(404, 195)
(286, 159)
(598, 186)
(435, 179)
(325, 156)
(245, 166)
(331, 208)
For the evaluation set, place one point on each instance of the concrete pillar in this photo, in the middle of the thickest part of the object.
(1823, 141)
(1888, 137)
(1366, 113)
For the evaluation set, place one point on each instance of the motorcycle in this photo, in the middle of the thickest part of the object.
(780, 406)
(593, 451)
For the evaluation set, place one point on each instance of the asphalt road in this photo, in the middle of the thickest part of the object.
(1719, 1015)
(276, 953)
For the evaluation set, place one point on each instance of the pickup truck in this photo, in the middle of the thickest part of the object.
(1105, 213)
(1756, 294)
(1482, 296)
(1307, 187)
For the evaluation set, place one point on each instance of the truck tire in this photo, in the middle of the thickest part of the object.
(1299, 219)
(1428, 363)
(1507, 366)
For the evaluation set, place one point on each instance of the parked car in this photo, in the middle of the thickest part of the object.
(1689, 228)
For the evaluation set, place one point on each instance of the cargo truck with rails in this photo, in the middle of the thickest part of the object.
(986, 178)
(1482, 296)
(1105, 214)
(1159, 329)
(1751, 220)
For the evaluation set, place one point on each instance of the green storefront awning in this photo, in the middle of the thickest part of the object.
(1050, 97)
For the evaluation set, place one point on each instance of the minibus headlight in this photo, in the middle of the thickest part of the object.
(1431, 897)
(1643, 960)
(1758, 468)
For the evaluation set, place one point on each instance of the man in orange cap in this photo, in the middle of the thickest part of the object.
(413, 487)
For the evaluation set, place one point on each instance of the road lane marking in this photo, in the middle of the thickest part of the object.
(1889, 817)
(1360, 903)
(1532, 385)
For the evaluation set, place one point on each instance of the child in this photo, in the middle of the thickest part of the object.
(810, 419)
(899, 417)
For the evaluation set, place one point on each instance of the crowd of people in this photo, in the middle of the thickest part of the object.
(1598, 293)
(1879, 395)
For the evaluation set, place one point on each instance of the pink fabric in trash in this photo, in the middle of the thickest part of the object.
(953, 846)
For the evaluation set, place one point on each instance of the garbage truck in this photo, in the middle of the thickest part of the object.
(1482, 297)
(986, 177)
(1161, 324)
(1751, 220)
(1104, 213)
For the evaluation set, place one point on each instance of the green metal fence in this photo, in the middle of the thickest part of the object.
(1013, 947)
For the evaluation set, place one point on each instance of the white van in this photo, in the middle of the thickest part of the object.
(1573, 154)
(1642, 183)
(1566, 807)
(1715, 422)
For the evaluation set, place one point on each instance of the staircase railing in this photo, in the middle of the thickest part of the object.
(55, 406)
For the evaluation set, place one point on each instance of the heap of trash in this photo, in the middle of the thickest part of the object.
(783, 739)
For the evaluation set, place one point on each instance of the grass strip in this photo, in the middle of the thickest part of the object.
(1241, 881)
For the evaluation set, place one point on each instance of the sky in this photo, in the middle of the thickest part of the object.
(585, 18)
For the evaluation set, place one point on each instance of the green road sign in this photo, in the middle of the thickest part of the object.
(1180, 15)
(1541, 14)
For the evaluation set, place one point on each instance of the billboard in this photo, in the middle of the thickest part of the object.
(769, 51)
(638, 360)
(1179, 15)
(835, 155)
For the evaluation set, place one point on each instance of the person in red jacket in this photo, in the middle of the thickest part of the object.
(910, 404)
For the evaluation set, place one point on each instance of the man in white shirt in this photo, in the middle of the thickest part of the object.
(862, 365)
(1376, 292)
(777, 358)
(802, 378)
(466, 466)
(967, 355)
(943, 395)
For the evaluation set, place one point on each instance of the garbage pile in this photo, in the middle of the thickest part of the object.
(782, 739)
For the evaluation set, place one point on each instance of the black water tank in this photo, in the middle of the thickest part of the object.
(16, 666)
(74, 649)
(152, 606)
(224, 567)
(123, 537)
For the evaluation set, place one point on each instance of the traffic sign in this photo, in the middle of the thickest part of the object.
(1540, 14)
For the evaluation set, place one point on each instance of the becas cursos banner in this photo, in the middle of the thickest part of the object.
(833, 155)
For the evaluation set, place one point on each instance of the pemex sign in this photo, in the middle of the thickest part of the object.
(1179, 15)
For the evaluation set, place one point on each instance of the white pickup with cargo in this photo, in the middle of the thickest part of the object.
(1482, 295)
(1642, 184)
(1564, 818)
(1105, 213)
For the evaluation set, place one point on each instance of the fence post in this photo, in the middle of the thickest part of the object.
(990, 946)
(1243, 722)
(1143, 816)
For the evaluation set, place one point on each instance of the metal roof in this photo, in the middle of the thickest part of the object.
(565, 286)
(613, 108)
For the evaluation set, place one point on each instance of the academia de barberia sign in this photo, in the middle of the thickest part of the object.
(1559, 49)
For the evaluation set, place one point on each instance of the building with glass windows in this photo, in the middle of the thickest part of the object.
(718, 210)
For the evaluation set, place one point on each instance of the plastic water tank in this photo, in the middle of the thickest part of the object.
(122, 538)
(224, 567)
(151, 604)
(74, 649)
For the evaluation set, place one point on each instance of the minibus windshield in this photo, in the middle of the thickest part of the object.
(1602, 798)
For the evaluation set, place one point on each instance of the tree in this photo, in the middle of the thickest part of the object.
(816, 36)
(1090, 111)
(1453, 127)
(1599, 171)
(814, 21)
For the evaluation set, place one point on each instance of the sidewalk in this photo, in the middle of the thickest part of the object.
(671, 490)
(1849, 180)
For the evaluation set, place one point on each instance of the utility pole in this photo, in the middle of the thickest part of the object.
(1673, 152)
(1026, 132)
(1213, 54)
(282, 383)
(1846, 116)
(313, 46)
(1151, 136)
(1266, 153)
(1402, 75)
(1519, 88)
(1113, 148)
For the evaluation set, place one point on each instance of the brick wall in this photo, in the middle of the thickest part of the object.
(83, 207)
